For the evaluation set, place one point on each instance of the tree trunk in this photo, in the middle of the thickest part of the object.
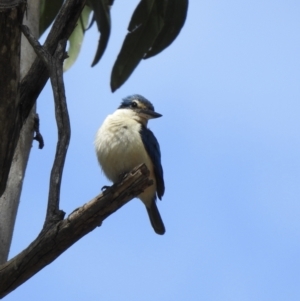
(9, 201)
(11, 15)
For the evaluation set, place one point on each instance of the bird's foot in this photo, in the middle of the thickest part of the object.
(105, 187)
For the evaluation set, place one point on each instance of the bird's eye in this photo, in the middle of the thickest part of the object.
(134, 104)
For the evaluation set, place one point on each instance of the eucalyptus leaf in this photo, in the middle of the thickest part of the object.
(101, 9)
(48, 11)
(144, 27)
(174, 19)
(76, 38)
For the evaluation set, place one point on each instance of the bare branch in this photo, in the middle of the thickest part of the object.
(55, 67)
(64, 134)
(40, 51)
(60, 236)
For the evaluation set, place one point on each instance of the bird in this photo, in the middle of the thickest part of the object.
(124, 141)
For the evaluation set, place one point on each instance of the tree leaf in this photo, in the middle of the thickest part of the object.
(48, 11)
(174, 19)
(76, 38)
(101, 15)
(144, 27)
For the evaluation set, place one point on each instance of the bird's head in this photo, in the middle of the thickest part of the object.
(141, 107)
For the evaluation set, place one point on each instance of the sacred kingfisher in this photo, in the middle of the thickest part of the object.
(123, 141)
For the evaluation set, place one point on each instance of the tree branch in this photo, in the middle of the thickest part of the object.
(64, 134)
(60, 236)
(55, 67)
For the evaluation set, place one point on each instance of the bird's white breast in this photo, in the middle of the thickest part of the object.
(120, 148)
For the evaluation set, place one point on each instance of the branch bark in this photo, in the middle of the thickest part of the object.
(55, 240)
(55, 66)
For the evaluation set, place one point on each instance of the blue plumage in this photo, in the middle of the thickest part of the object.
(127, 102)
(153, 150)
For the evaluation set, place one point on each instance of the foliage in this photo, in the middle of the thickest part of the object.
(154, 25)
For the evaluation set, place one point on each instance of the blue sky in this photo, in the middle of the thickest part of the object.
(229, 92)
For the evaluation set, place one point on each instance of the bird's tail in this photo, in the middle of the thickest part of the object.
(155, 219)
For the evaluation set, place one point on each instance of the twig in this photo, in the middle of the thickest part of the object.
(55, 67)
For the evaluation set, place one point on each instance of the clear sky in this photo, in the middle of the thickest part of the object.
(229, 92)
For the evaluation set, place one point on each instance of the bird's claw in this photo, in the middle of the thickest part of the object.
(104, 188)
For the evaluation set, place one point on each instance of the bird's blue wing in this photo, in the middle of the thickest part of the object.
(153, 150)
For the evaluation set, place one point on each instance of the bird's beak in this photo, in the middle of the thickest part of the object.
(149, 114)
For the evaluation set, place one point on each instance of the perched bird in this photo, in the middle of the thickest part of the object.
(124, 141)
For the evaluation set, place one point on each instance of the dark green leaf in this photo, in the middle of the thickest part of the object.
(142, 12)
(101, 15)
(174, 18)
(145, 25)
(48, 11)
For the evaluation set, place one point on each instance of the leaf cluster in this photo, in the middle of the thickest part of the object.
(154, 25)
